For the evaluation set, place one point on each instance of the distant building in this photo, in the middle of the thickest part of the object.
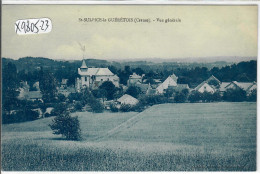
(205, 87)
(94, 77)
(211, 85)
(127, 100)
(168, 82)
(246, 86)
(134, 79)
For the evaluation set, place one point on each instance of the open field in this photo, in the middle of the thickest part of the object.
(168, 137)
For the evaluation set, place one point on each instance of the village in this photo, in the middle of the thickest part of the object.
(127, 97)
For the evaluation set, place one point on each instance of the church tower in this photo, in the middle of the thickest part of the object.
(83, 66)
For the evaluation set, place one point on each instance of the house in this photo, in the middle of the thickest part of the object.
(205, 87)
(133, 79)
(127, 100)
(222, 87)
(94, 77)
(212, 84)
(246, 86)
(168, 82)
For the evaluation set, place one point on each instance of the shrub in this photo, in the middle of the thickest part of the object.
(67, 126)
(20, 116)
(180, 97)
(125, 108)
(252, 96)
(235, 95)
(59, 109)
(78, 106)
(139, 107)
(195, 96)
(96, 106)
(113, 107)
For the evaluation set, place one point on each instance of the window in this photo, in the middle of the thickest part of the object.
(86, 79)
(101, 80)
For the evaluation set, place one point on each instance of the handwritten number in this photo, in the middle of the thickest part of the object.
(42, 25)
(46, 25)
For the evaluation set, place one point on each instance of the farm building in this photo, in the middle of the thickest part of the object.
(246, 86)
(127, 100)
(134, 79)
(168, 82)
(205, 87)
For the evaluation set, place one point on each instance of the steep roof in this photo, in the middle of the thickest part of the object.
(200, 85)
(104, 72)
(83, 64)
(223, 86)
(174, 77)
(96, 71)
(213, 78)
(243, 85)
(168, 82)
(127, 99)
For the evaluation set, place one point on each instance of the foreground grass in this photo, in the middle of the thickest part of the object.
(170, 137)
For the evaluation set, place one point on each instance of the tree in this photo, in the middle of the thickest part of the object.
(235, 95)
(110, 89)
(181, 97)
(100, 93)
(67, 126)
(48, 87)
(195, 96)
(133, 91)
(10, 87)
(252, 96)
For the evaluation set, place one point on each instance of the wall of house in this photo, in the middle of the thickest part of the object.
(206, 88)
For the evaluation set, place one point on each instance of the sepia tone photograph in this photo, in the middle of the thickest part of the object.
(129, 87)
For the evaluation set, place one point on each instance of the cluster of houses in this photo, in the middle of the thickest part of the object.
(93, 77)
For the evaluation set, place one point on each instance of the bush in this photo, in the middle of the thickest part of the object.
(235, 95)
(195, 96)
(125, 108)
(78, 106)
(181, 97)
(252, 96)
(96, 106)
(67, 126)
(139, 107)
(59, 109)
(152, 100)
(113, 107)
(20, 116)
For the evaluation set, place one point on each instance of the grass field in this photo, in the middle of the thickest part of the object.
(168, 137)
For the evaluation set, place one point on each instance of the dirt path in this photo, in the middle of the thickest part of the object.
(125, 125)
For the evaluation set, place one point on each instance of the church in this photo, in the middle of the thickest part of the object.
(94, 77)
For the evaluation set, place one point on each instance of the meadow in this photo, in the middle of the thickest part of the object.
(167, 137)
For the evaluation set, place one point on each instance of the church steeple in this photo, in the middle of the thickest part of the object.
(83, 66)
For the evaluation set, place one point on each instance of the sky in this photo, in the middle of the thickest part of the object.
(204, 31)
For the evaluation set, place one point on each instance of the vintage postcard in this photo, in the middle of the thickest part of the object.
(129, 87)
